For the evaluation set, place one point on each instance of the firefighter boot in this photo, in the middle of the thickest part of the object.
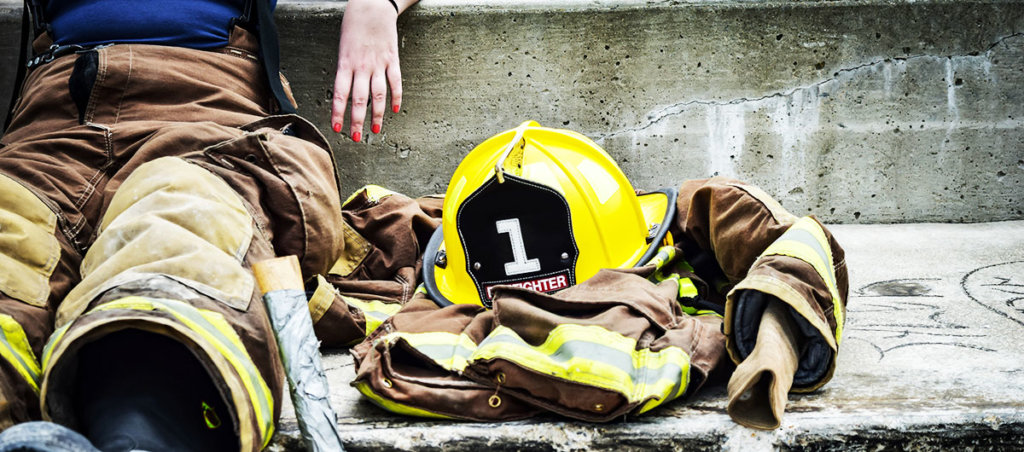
(170, 403)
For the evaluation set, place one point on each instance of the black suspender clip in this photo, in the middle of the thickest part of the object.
(55, 51)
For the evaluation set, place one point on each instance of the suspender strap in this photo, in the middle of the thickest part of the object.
(19, 76)
(270, 53)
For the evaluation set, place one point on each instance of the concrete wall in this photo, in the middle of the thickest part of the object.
(868, 111)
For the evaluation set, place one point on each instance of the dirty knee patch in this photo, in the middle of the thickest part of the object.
(174, 219)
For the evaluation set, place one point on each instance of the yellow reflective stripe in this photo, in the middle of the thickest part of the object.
(595, 356)
(395, 407)
(687, 289)
(217, 332)
(374, 193)
(695, 312)
(16, 350)
(375, 312)
(235, 353)
(54, 339)
(665, 255)
(449, 350)
(805, 240)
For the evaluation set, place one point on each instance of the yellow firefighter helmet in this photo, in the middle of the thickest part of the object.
(543, 209)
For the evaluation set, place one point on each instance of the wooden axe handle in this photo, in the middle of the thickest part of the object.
(278, 274)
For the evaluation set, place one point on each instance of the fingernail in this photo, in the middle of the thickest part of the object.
(376, 128)
(337, 128)
(394, 108)
(356, 136)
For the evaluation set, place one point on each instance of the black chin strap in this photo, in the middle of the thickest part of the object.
(270, 53)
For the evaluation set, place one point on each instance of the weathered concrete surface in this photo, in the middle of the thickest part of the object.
(932, 359)
(859, 111)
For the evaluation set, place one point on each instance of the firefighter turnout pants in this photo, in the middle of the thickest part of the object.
(134, 185)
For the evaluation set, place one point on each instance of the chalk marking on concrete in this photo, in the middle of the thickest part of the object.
(907, 323)
(1006, 278)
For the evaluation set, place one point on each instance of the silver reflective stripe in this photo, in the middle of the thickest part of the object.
(443, 353)
(807, 238)
(646, 376)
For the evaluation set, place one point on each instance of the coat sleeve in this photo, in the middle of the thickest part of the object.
(384, 234)
(751, 250)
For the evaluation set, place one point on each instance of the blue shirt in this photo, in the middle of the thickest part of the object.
(197, 24)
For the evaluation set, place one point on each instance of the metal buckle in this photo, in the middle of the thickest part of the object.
(55, 51)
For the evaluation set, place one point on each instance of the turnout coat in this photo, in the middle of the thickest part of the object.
(622, 342)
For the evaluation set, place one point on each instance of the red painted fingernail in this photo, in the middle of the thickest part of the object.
(356, 136)
(376, 128)
(337, 128)
(394, 108)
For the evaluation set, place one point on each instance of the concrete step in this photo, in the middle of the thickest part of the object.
(858, 111)
(932, 358)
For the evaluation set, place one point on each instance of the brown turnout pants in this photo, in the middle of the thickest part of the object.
(135, 190)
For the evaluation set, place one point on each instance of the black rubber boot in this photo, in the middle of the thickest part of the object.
(139, 390)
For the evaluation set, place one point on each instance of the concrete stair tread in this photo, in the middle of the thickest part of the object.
(932, 359)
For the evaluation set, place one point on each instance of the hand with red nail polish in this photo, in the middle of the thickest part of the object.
(337, 127)
(367, 64)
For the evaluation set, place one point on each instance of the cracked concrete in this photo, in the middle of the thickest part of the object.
(677, 108)
(856, 111)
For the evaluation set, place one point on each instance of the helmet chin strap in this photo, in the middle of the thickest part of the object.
(499, 166)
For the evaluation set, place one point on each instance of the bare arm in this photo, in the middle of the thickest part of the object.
(367, 64)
